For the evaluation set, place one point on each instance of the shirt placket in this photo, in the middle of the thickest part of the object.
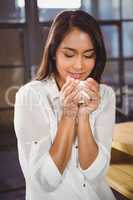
(77, 164)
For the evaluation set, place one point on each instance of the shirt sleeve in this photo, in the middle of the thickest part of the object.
(103, 133)
(31, 124)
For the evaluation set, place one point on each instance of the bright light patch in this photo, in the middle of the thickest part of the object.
(59, 4)
(20, 3)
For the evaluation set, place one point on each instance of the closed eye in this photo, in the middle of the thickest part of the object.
(92, 55)
(68, 56)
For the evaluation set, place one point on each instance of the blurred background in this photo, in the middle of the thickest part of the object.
(24, 25)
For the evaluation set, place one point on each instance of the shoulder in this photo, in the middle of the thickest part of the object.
(32, 91)
(33, 87)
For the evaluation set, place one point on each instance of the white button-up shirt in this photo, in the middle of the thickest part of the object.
(36, 117)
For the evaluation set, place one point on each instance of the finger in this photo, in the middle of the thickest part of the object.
(75, 98)
(72, 95)
(69, 90)
(64, 97)
(92, 82)
(70, 98)
(89, 94)
(92, 87)
(67, 83)
(93, 101)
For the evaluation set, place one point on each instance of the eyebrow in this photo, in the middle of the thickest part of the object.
(71, 49)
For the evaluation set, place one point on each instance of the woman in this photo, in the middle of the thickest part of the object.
(64, 143)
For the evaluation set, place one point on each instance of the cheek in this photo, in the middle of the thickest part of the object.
(62, 64)
(90, 65)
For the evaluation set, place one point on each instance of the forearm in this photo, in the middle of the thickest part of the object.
(88, 148)
(60, 151)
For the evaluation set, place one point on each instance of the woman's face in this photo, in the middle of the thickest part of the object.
(75, 56)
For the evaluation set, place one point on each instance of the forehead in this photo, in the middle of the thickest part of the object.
(77, 39)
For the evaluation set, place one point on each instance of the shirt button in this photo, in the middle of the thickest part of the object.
(35, 142)
(76, 146)
(83, 184)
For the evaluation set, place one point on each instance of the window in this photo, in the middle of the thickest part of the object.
(59, 4)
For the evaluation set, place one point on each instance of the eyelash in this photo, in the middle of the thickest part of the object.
(91, 56)
(88, 57)
(68, 56)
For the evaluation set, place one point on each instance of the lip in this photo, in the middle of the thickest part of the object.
(76, 75)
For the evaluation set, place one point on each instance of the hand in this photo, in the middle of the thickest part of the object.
(69, 98)
(91, 99)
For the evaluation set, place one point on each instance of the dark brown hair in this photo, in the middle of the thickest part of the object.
(61, 25)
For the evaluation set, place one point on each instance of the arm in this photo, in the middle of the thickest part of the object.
(88, 148)
(34, 141)
(98, 157)
(41, 162)
(60, 151)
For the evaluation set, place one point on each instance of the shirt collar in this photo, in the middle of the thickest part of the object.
(53, 88)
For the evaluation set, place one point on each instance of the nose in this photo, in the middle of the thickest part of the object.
(78, 65)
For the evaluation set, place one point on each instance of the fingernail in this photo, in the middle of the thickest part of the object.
(72, 79)
(76, 81)
(68, 77)
(90, 79)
